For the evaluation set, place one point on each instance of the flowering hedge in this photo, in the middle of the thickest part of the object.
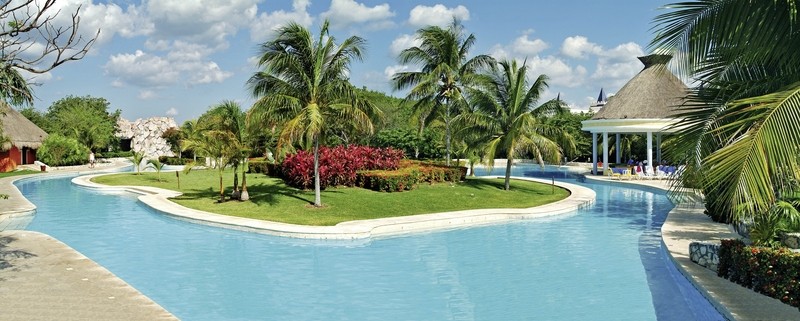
(772, 272)
(337, 165)
(408, 176)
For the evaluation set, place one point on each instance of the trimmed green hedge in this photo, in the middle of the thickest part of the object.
(114, 154)
(772, 272)
(408, 176)
(166, 160)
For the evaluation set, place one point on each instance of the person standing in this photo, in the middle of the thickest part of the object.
(91, 159)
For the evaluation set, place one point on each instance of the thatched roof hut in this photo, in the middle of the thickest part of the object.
(19, 130)
(648, 104)
(654, 93)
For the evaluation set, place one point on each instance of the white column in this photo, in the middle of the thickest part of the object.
(617, 151)
(649, 149)
(605, 151)
(658, 149)
(594, 153)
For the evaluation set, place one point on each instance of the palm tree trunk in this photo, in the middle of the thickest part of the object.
(221, 190)
(447, 132)
(317, 198)
(244, 196)
(508, 172)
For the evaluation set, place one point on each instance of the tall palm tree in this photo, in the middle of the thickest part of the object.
(304, 85)
(507, 119)
(741, 133)
(445, 70)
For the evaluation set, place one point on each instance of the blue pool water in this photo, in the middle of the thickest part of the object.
(602, 263)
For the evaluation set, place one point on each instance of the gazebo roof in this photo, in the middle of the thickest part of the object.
(21, 131)
(654, 93)
(647, 103)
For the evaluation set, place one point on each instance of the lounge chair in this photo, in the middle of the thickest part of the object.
(610, 173)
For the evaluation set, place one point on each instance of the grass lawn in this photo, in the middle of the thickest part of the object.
(272, 200)
(17, 173)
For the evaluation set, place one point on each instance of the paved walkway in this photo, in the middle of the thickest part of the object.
(42, 278)
(687, 223)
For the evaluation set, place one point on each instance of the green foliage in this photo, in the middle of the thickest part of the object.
(259, 166)
(58, 150)
(408, 176)
(137, 161)
(304, 88)
(783, 216)
(772, 272)
(157, 165)
(85, 119)
(174, 160)
(437, 88)
(14, 89)
(571, 123)
(740, 132)
(173, 136)
(115, 154)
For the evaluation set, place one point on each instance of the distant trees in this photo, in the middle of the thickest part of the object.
(86, 119)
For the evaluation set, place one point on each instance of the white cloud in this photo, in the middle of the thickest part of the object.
(579, 47)
(391, 70)
(147, 94)
(618, 65)
(186, 63)
(172, 112)
(265, 25)
(560, 73)
(344, 13)
(438, 15)
(402, 42)
(202, 21)
(527, 47)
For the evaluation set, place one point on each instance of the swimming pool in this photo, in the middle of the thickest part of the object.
(604, 263)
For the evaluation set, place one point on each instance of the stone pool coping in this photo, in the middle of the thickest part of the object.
(158, 199)
(686, 223)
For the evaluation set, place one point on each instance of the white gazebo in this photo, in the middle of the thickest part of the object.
(647, 104)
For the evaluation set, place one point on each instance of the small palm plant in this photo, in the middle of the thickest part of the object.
(157, 165)
(137, 161)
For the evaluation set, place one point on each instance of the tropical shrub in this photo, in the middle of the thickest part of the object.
(769, 271)
(57, 150)
(257, 165)
(389, 181)
(114, 154)
(166, 160)
(337, 165)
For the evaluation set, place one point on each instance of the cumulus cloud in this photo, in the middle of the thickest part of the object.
(265, 25)
(172, 112)
(391, 70)
(438, 15)
(147, 94)
(345, 13)
(527, 47)
(618, 65)
(184, 65)
(202, 21)
(560, 72)
(402, 42)
(579, 47)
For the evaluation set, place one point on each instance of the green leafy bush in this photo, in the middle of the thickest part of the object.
(166, 160)
(258, 166)
(114, 154)
(389, 181)
(58, 150)
(769, 271)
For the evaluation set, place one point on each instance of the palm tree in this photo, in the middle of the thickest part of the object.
(137, 161)
(220, 146)
(506, 118)
(445, 71)
(157, 165)
(741, 130)
(228, 116)
(304, 86)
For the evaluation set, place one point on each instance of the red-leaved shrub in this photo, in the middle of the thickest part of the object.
(337, 165)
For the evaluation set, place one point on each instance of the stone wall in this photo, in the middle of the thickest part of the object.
(145, 135)
(705, 254)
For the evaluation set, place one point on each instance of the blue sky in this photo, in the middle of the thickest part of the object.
(179, 57)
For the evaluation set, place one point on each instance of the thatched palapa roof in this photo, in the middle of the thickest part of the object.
(654, 93)
(21, 131)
